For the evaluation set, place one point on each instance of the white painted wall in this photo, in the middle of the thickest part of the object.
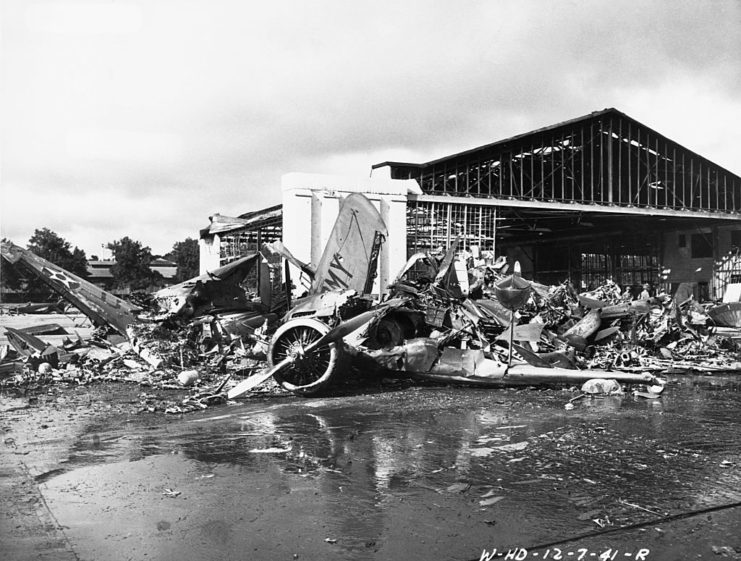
(209, 253)
(311, 203)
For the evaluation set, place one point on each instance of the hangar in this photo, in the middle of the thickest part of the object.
(598, 197)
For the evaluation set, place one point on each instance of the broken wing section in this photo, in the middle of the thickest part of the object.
(220, 289)
(103, 308)
(351, 254)
(252, 283)
(278, 248)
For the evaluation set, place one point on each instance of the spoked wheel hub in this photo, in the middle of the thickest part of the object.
(309, 372)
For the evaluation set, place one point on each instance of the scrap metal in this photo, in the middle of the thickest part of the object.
(448, 317)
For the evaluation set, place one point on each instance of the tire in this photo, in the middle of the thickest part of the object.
(312, 373)
(393, 329)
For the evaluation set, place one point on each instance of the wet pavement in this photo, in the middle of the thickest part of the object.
(413, 473)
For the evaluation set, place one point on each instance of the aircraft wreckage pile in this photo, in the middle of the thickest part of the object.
(450, 318)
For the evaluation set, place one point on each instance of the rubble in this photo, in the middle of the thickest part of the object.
(450, 316)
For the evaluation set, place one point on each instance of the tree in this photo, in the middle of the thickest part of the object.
(132, 268)
(187, 256)
(52, 247)
(11, 279)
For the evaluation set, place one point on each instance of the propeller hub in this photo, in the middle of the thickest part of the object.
(296, 352)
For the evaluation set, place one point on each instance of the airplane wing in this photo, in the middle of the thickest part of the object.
(351, 254)
(220, 288)
(103, 308)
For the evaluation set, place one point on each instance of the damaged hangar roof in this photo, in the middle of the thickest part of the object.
(603, 161)
(220, 224)
(472, 153)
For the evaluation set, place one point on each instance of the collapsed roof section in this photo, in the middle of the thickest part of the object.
(266, 218)
(244, 234)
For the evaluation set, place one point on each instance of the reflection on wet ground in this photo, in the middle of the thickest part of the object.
(444, 470)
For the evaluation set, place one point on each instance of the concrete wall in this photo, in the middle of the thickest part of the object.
(679, 265)
(209, 253)
(679, 261)
(311, 203)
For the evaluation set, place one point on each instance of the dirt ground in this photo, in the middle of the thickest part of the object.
(383, 473)
(37, 430)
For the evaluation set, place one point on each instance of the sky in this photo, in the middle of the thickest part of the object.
(143, 118)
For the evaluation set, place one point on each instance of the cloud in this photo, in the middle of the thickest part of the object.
(145, 124)
(82, 17)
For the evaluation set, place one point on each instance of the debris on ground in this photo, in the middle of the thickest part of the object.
(450, 316)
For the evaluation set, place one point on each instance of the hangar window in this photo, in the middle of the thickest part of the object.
(702, 246)
(629, 271)
(431, 225)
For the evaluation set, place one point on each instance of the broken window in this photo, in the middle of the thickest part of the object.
(702, 246)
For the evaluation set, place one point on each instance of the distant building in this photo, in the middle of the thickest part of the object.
(100, 274)
(168, 269)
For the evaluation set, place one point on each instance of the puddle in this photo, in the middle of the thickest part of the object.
(449, 470)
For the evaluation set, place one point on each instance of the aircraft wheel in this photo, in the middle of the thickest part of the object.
(312, 372)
